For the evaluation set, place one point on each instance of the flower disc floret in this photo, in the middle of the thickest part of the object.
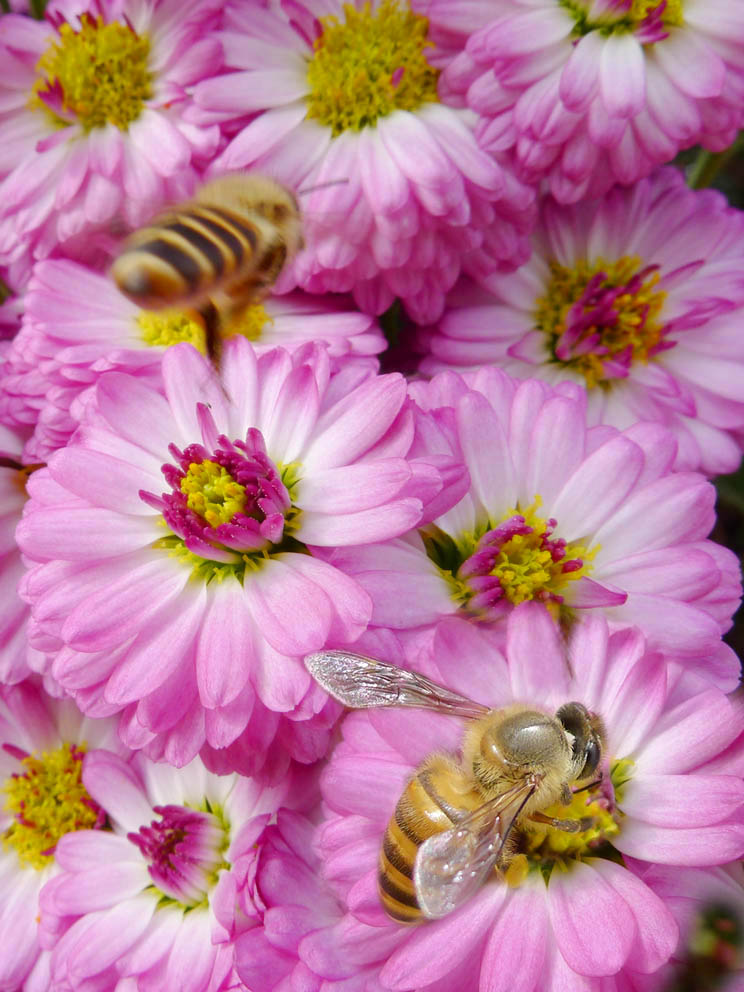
(47, 801)
(600, 318)
(628, 15)
(95, 75)
(163, 329)
(229, 504)
(368, 66)
(513, 562)
(184, 849)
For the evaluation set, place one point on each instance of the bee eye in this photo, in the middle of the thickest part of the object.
(591, 759)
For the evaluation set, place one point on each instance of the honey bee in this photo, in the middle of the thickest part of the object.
(457, 819)
(213, 254)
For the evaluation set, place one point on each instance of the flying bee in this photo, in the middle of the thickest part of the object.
(457, 819)
(214, 254)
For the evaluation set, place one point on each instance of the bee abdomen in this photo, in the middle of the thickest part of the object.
(186, 256)
(421, 812)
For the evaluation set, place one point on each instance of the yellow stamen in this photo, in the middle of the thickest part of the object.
(212, 492)
(103, 73)
(48, 801)
(250, 322)
(163, 328)
(637, 325)
(369, 66)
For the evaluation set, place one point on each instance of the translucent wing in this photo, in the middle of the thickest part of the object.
(451, 866)
(361, 682)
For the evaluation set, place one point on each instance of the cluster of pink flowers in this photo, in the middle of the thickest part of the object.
(502, 485)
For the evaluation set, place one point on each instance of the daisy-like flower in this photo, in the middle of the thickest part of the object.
(17, 657)
(323, 93)
(708, 904)
(92, 102)
(593, 92)
(43, 743)
(175, 530)
(156, 900)
(639, 298)
(77, 325)
(579, 519)
(580, 915)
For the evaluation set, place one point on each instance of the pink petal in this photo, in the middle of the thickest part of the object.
(657, 932)
(716, 845)
(531, 669)
(226, 648)
(439, 947)
(597, 488)
(593, 925)
(691, 64)
(513, 960)
(682, 800)
(114, 786)
(622, 76)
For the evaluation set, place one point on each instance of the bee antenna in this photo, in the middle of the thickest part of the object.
(330, 182)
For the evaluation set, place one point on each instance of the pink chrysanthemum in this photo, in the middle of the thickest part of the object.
(320, 93)
(77, 325)
(582, 919)
(157, 899)
(17, 657)
(577, 518)
(176, 529)
(593, 92)
(639, 298)
(43, 743)
(708, 904)
(92, 118)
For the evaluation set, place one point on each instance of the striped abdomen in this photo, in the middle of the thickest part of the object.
(431, 803)
(192, 252)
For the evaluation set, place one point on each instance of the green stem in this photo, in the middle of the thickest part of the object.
(5, 6)
(37, 8)
(707, 165)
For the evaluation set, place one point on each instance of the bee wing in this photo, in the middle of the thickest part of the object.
(360, 682)
(451, 866)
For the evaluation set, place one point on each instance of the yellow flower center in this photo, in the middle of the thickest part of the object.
(250, 322)
(671, 15)
(163, 328)
(515, 559)
(600, 317)
(368, 66)
(48, 801)
(641, 13)
(546, 846)
(212, 492)
(98, 75)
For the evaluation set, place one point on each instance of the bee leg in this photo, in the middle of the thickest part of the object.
(570, 826)
(211, 319)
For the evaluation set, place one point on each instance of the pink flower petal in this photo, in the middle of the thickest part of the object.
(682, 800)
(530, 672)
(622, 76)
(593, 925)
(657, 932)
(514, 957)
(226, 649)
